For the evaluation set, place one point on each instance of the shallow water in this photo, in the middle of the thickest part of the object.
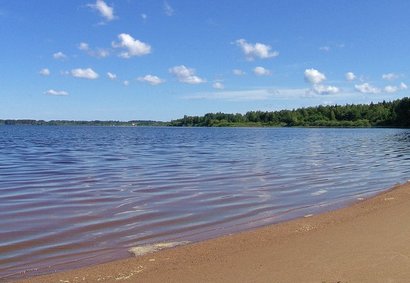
(73, 196)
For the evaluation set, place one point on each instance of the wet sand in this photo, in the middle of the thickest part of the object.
(368, 241)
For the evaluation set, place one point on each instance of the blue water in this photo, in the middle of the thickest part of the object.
(73, 196)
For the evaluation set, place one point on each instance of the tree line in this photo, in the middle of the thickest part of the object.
(31, 122)
(384, 114)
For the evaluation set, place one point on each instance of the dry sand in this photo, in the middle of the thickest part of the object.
(368, 241)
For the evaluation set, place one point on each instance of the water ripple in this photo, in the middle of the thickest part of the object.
(73, 196)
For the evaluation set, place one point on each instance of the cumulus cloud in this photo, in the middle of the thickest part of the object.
(133, 47)
(218, 85)
(391, 89)
(59, 55)
(325, 89)
(313, 76)
(111, 76)
(390, 76)
(257, 50)
(238, 72)
(394, 89)
(105, 11)
(126, 83)
(44, 72)
(168, 10)
(350, 76)
(367, 88)
(261, 71)
(316, 78)
(151, 79)
(88, 73)
(186, 75)
(56, 92)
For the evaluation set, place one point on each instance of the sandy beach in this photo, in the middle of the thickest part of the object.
(368, 241)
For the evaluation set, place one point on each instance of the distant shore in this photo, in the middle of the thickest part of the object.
(365, 242)
(393, 114)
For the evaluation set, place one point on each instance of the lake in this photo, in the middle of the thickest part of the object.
(75, 196)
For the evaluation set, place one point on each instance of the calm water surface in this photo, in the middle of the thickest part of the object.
(72, 196)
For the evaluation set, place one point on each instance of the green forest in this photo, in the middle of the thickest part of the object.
(384, 114)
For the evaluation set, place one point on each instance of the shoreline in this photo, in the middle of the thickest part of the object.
(368, 241)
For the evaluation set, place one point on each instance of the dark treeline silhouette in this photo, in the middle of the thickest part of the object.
(383, 114)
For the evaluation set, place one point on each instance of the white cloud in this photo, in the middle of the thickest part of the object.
(257, 50)
(218, 85)
(261, 71)
(151, 79)
(238, 72)
(126, 83)
(99, 52)
(106, 11)
(325, 89)
(83, 46)
(59, 55)
(390, 76)
(350, 76)
(331, 46)
(111, 76)
(367, 88)
(133, 46)
(186, 75)
(56, 92)
(44, 72)
(391, 89)
(314, 76)
(324, 48)
(168, 10)
(88, 73)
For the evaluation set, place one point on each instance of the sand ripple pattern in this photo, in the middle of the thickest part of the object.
(72, 196)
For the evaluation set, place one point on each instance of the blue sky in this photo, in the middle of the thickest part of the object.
(160, 60)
